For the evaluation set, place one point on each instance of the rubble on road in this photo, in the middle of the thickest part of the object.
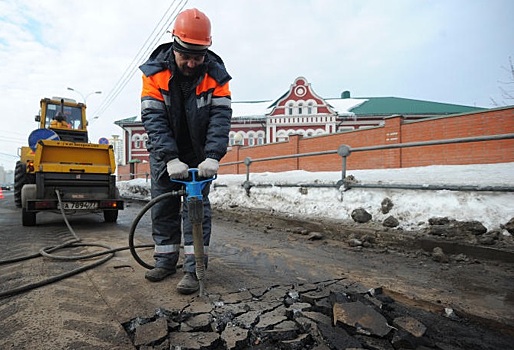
(325, 315)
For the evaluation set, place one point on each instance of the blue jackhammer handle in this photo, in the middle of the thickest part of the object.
(194, 187)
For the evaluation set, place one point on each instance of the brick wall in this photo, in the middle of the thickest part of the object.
(394, 131)
(500, 121)
(133, 171)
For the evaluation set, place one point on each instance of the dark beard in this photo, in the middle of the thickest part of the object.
(190, 72)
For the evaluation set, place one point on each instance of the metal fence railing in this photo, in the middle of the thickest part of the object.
(345, 151)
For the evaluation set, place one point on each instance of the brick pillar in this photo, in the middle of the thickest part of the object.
(131, 171)
(392, 135)
(294, 142)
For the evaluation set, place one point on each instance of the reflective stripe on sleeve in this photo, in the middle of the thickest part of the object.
(190, 250)
(221, 101)
(153, 104)
(166, 249)
(203, 101)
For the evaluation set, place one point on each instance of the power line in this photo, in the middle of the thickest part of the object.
(12, 139)
(129, 72)
(2, 154)
(143, 52)
(11, 132)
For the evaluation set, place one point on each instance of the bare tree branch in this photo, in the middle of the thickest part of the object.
(507, 94)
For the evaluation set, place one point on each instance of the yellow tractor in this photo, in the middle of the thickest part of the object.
(61, 169)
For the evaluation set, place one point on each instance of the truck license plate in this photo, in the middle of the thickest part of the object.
(78, 205)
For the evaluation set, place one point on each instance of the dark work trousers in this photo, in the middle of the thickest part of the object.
(170, 219)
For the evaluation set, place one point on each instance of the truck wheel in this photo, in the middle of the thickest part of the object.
(20, 179)
(28, 218)
(110, 215)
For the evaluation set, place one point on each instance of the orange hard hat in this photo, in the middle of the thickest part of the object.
(193, 27)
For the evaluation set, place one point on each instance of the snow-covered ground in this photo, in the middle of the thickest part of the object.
(412, 208)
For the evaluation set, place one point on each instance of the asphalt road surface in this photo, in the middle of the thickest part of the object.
(261, 268)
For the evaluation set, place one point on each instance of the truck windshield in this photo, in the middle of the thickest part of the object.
(73, 115)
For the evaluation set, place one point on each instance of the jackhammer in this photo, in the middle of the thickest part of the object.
(194, 199)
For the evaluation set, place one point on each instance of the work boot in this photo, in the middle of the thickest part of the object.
(188, 284)
(159, 273)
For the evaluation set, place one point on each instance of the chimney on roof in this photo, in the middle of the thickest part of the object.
(345, 94)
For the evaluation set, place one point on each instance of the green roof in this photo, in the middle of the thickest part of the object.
(395, 105)
(129, 120)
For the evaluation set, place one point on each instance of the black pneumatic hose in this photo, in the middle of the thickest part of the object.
(76, 242)
(46, 252)
(143, 211)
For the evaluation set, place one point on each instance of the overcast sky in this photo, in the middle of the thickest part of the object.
(453, 51)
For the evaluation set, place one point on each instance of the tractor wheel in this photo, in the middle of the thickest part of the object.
(20, 179)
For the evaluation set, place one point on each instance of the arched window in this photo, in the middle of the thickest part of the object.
(300, 107)
(309, 107)
(136, 139)
(260, 138)
(145, 140)
(251, 139)
(312, 107)
(290, 108)
(282, 136)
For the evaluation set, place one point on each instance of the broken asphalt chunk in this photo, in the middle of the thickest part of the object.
(198, 323)
(235, 337)
(363, 318)
(269, 319)
(410, 325)
(151, 333)
(297, 343)
(337, 337)
(248, 319)
(194, 340)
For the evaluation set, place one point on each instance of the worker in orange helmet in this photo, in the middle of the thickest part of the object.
(59, 121)
(186, 111)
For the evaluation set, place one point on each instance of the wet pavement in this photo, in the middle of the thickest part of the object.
(271, 284)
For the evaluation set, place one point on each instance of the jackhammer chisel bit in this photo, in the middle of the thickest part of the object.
(194, 200)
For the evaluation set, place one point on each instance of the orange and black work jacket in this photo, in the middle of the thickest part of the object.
(207, 109)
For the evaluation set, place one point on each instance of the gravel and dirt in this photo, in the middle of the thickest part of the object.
(273, 283)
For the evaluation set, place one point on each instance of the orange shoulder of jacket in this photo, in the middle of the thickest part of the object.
(210, 84)
(153, 85)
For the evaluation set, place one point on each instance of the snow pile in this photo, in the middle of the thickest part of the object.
(412, 208)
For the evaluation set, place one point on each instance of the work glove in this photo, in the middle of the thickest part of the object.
(177, 169)
(208, 168)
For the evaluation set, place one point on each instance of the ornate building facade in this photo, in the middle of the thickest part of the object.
(300, 111)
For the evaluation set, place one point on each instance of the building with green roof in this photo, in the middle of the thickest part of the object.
(301, 111)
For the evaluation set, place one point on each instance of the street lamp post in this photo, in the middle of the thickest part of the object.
(84, 98)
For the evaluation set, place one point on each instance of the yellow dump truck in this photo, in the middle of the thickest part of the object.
(61, 169)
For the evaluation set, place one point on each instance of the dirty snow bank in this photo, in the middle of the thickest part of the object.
(412, 208)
